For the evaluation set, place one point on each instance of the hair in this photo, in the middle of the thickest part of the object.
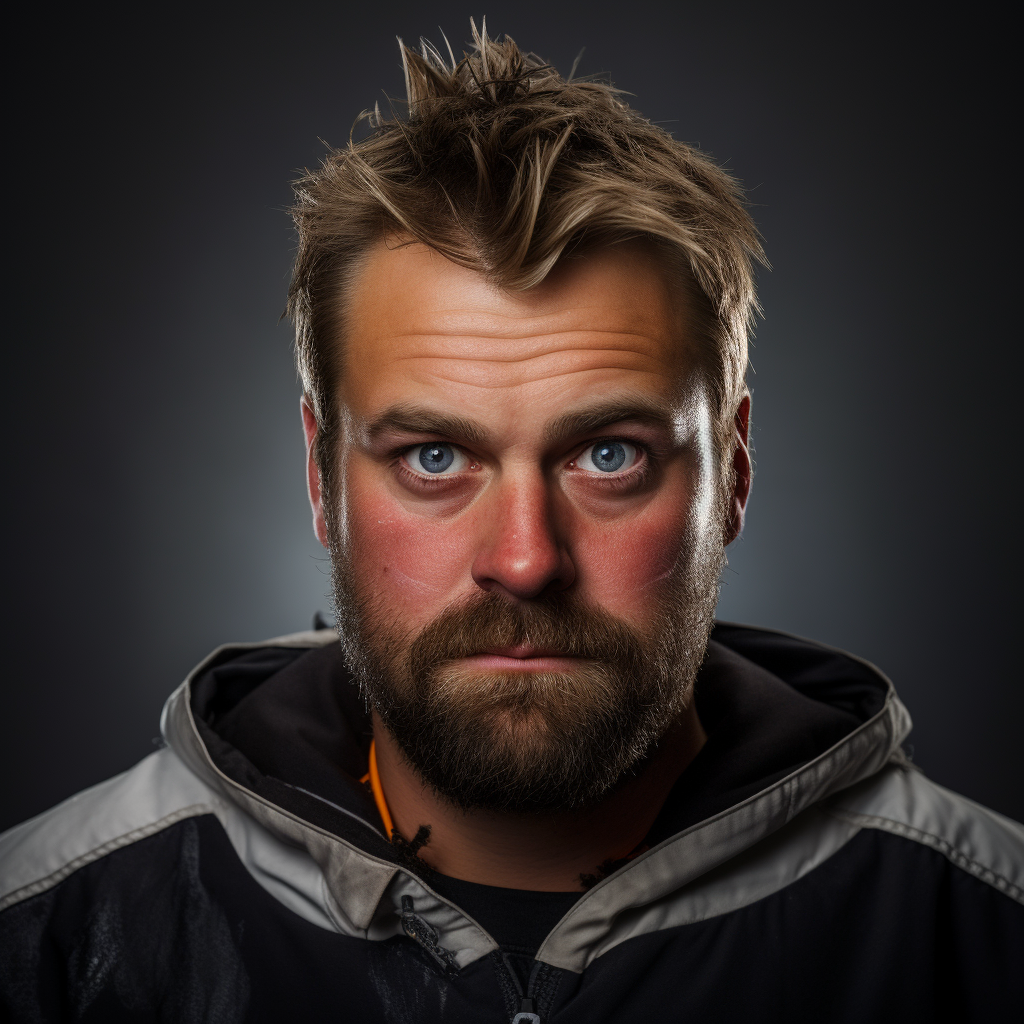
(504, 167)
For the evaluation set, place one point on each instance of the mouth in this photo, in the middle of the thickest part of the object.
(521, 658)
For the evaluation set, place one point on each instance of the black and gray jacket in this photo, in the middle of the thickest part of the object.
(801, 870)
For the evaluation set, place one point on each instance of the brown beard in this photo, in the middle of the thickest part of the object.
(524, 741)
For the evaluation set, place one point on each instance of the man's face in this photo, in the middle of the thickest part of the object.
(526, 533)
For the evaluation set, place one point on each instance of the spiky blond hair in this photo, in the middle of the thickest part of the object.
(503, 166)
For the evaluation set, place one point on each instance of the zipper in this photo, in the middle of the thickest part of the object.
(426, 937)
(527, 1007)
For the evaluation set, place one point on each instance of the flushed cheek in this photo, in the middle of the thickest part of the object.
(626, 569)
(415, 566)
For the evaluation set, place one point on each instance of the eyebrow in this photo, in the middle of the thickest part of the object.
(409, 419)
(594, 417)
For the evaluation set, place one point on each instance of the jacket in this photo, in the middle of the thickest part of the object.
(802, 869)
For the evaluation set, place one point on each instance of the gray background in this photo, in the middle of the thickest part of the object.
(156, 503)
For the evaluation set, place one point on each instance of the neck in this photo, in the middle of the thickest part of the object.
(544, 852)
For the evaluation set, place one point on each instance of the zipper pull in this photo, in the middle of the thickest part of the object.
(526, 1014)
(527, 1009)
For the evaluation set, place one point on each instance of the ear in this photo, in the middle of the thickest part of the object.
(310, 427)
(741, 472)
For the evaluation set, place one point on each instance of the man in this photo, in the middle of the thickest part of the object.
(528, 778)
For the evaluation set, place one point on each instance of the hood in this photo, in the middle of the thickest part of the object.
(280, 730)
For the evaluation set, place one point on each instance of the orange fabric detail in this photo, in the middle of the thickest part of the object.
(373, 778)
(378, 792)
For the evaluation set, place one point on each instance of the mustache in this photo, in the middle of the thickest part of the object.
(557, 623)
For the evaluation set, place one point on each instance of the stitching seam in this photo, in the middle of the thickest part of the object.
(42, 884)
(949, 851)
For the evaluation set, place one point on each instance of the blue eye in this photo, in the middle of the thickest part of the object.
(608, 456)
(435, 458)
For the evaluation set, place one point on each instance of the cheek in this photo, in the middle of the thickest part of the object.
(414, 565)
(626, 568)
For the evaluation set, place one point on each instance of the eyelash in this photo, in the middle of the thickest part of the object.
(634, 478)
(421, 480)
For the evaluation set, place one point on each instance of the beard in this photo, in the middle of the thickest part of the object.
(525, 741)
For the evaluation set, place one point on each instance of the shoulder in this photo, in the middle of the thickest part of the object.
(164, 789)
(96, 891)
(901, 801)
(154, 795)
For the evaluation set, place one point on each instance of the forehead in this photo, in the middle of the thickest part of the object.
(420, 326)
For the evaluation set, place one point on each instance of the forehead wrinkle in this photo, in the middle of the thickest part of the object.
(460, 350)
(627, 361)
(476, 335)
(546, 375)
(539, 365)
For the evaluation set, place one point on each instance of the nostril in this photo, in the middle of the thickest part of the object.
(524, 573)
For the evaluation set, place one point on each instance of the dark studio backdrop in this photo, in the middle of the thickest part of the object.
(156, 495)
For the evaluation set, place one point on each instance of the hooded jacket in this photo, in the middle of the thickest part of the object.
(802, 869)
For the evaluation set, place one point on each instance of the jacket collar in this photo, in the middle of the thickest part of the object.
(367, 882)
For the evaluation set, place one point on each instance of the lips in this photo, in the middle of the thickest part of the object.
(523, 651)
(522, 658)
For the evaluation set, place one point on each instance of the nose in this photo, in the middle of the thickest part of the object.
(522, 553)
